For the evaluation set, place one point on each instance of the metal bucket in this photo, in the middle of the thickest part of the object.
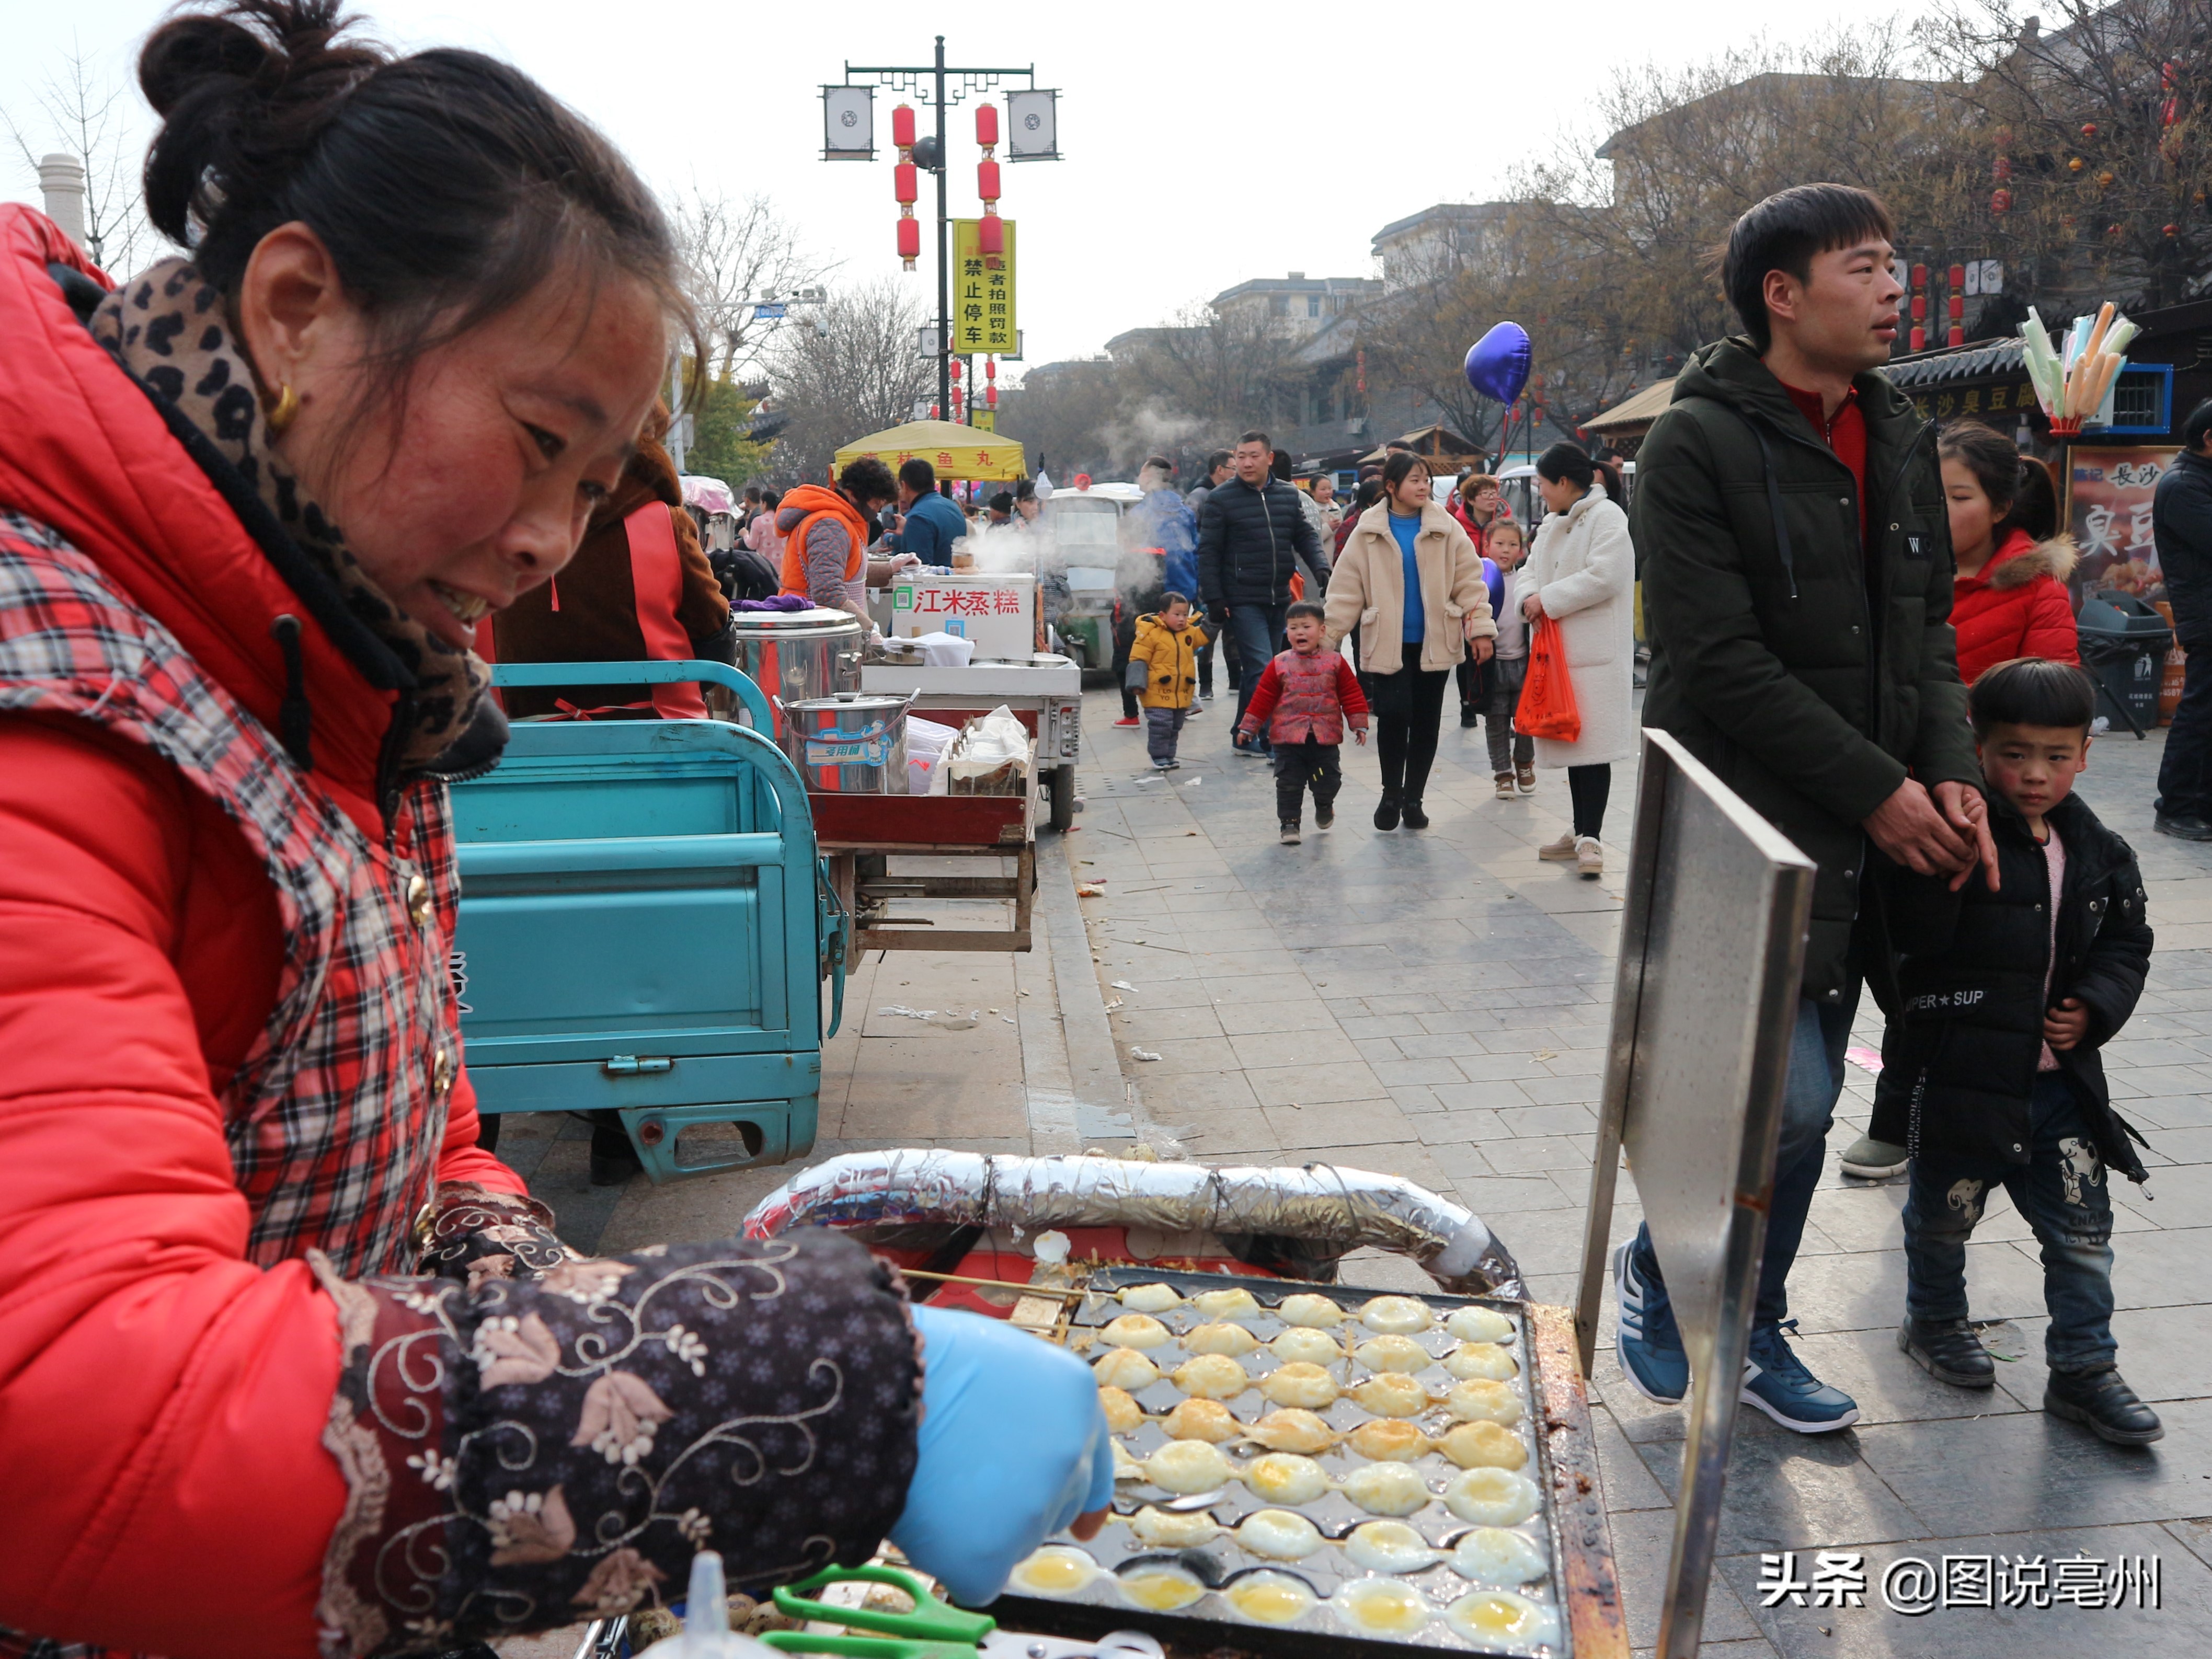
(849, 745)
(797, 656)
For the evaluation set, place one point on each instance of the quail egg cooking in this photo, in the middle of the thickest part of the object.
(1212, 1376)
(1382, 1605)
(1134, 1330)
(1220, 1337)
(1481, 1360)
(1393, 1353)
(1388, 1546)
(1307, 1308)
(1479, 1399)
(1125, 1368)
(1185, 1466)
(1479, 1325)
(1057, 1569)
(1489, 1617)
(1491, 1497)
(1391, 1394)
(1482, 1445)
(1285, 1478)
(1202, 1420)
(1387, 1488)
(1122, 1412)
(1278, 1535)
(1289, 1429)
(1303, 1345)
(1271, 1598)
(1388, 1440)
(1159, 1587)
(1167, 1529)
(1150, 1298)
(1226, 1305)
(1297, 1384)
(1399, 1314)
(1491, 1555)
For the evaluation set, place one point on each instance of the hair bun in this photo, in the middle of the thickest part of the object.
(242, 92)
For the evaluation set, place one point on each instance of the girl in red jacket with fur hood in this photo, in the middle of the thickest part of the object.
(2009, 596)
(288, 1365)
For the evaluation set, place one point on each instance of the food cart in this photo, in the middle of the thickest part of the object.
(1468, 1521)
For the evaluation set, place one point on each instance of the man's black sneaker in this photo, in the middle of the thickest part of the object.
(2184, 826)
(1415, 818)
(1324, 815)
(2102, 1400)
(1386, 811)
(1949, 1351)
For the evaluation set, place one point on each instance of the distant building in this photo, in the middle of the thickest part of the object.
(1303, 303)
(1450, 236)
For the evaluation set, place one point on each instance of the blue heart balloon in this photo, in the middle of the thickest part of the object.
(1498, 364)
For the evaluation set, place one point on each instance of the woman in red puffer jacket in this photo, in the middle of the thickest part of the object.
(2009, 596)
(288, 1364)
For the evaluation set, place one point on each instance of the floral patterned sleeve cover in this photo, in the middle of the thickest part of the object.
(535, 1438)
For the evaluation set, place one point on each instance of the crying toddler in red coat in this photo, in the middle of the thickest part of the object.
(2008, 594)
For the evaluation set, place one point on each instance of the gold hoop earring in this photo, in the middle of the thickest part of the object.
(286, 410)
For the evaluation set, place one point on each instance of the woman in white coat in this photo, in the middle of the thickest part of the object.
(1582, 573)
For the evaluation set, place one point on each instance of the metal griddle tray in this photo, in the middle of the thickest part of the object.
(1212, 1621)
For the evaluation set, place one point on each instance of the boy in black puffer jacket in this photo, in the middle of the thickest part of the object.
(1990, 1069)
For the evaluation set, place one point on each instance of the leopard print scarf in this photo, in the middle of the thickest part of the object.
(173, 332)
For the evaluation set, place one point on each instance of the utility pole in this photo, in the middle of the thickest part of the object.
(947, 85)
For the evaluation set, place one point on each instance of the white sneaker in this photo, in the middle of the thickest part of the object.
(1589, 857)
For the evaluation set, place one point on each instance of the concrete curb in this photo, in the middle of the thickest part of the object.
(1102, 1102)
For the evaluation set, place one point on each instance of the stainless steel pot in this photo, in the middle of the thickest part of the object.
(798, 655)
(849, 745)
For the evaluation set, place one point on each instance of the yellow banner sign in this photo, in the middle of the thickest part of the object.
(985, 420)
(983, 292)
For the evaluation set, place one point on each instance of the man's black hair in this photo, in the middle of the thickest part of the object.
(2198, 426)
(2031, 691)
(1256, 437)
(1304, 608)
(1002, 501)
(918, 475)
(1216, 461)
(867, 480)
(1784, 232)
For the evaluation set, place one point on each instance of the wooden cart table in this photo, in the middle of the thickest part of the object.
(859, 835)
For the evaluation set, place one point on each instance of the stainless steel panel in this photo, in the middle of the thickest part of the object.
(1711, 950)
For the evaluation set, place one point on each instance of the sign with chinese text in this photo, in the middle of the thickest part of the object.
(983, 292)
(1999, 406)
(985, 420)
(995, 610)
(2108, 495)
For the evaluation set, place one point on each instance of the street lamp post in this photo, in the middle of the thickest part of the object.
(948, 85)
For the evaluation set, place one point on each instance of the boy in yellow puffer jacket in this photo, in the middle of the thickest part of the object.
(1164, 673)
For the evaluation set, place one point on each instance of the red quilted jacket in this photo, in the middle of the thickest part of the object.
(2015, 606)
(162, 1401)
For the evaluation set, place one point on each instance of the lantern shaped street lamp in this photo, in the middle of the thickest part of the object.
(906, 184)
(990, 232)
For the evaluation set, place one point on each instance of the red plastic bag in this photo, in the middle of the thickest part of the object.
(1546, 709)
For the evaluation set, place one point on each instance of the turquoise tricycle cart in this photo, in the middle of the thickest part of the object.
(646, 925)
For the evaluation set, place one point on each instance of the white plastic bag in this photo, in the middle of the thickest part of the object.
(926, 744)
(945, 650)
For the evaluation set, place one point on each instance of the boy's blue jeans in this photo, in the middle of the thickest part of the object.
(2062, 1191)
(1808, 1108)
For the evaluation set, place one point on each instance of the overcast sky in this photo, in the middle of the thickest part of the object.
(1205, 146)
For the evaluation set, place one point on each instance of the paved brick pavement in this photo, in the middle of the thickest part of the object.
(1436, 1004)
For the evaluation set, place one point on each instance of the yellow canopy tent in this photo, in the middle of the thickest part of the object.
(956, 452)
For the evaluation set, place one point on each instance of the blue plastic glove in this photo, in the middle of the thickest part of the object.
(1013, 1447)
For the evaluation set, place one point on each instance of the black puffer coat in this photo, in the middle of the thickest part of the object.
(1812, 673)
(1963, 1043)
(1249, 542)
(2181, 522)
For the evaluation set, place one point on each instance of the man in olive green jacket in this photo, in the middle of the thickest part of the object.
(1791, 531)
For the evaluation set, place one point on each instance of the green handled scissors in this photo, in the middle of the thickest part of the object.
(934, 1630)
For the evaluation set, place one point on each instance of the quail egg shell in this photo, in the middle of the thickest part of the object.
(1491, 1555)
(1220, 1337)
(1489, 1617)
(1122, 1412)
(1226, 1305)
(1388, 1440)
(1297, 1384)
(1270, 1598)
(1285, 1478)
(1126, 1369)
(1160, 1587)
(1212, 1376)
(1303, 1345)
(1391, 1394)
(1184, 1467)
(1382, 1605)
(1396, 1315)
(1278, 1535)
(1491, 1498)
(1289, 1429)
(1307, 1308)
(1479, 1325)
(1166, 1529)
(1388, 1547)
(1479, 1399)
(1150, 1298)
(1201, 1419)
(1135, 1331)
(1481, 1360)
(1057, 1569)
(1393, 1353)
(1482, 1446)
(1387, 1488)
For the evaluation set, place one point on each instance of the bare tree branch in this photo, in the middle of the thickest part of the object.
(737, 253)
(851, 370)
(87, 116)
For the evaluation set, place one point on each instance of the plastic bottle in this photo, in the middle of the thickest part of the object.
(706, 1633)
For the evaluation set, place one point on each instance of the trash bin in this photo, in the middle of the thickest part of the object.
(2123, 643)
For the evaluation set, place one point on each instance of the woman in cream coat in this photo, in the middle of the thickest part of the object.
(1582, 573)
(1408, 647)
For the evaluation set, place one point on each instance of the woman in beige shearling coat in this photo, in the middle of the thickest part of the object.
(1449, 616)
